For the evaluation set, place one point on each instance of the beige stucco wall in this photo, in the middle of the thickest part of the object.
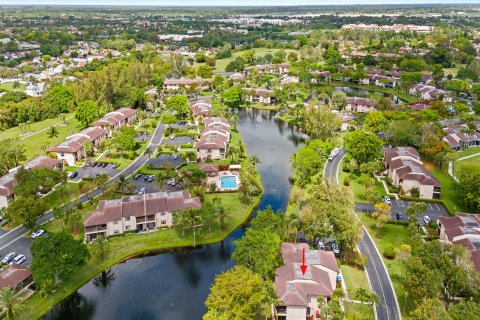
(3, 202)
(214, 154)
(296, 313)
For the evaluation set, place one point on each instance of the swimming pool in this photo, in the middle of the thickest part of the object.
(229, 182)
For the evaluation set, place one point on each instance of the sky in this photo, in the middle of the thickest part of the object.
(226, 2)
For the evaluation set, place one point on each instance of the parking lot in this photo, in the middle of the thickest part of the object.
(163, 158)
(153, 186)
(180, 140)
(93, 171)
(434, 210)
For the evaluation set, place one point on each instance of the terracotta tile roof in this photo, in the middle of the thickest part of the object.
(259, 92)
(200, 107)
(115, 117)
(13, 275)
(360, 101)
(140, 205)
(208, 167)
(75, 142)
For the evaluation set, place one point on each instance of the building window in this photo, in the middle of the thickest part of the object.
(116, 232)
(162, 214)
(115, 222)
(127, 218)
(163, 222)
(127, 227)
(62, 154)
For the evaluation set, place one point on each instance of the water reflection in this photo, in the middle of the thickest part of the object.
(174, 285)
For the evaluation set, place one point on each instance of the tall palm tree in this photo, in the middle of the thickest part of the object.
(8, 300)
(148, 152)
(234, 119)
(52, 132)
(160, 179)
(189, 219)
(254, 160)
(122, 183)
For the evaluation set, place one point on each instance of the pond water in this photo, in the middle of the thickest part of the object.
(364, 93)
(174, 285)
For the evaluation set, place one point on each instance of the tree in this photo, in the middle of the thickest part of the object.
(464, 310)
(101, 182)
(233, 96)
(52, 132)
(236, 65)
(56, 256)
(12, 153)
(188, 220)
(382, 215)
(259, 250)
(429, 309)
(9, 299)
(364, 295)
(468, 187)
(179, 104)
(339, 100)
(26, 211)
(100, 247)
(59, 98)
(35, 181)
(236, 294)
(124, 140)
(363, 146)
(375, 122)
(86, 112)
(403, 133)
(321, 123)
(205, 71)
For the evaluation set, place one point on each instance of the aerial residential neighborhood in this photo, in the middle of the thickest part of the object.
(239, 160)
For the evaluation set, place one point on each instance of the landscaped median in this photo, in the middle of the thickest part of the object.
(131, 245)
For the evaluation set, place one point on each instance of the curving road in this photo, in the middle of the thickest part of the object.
(15, 239)
(376, 270)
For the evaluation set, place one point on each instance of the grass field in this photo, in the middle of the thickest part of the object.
(222, 63)
(357, 187)
(364, 310)
(396, 235)
(34, 142)
(474, 161)
(354, 279)
(9, 87)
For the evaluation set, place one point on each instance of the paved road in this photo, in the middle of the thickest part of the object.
(14, 240)
(377, 273)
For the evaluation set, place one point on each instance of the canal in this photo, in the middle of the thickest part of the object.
(175, 285)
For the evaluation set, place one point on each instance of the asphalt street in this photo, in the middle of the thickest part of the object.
(376, 271)
(16, 241)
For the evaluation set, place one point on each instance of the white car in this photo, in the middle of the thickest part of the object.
(18, 259)
(426, 219)
(8, 257)
(142, 190)
(38, 233)
(387, 200)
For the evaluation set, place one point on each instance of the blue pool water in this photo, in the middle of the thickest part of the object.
(229, 182)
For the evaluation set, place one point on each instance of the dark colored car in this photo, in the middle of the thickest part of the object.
(73, 175)
(399, 216)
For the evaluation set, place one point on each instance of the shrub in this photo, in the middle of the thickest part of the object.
(357, 260)
(415, 192)
(79, 205)
(389, 252)
(212, 187)
(185, 145)
(346, 181)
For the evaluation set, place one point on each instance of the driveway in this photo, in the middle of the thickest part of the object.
(180, 140)
(94, 171)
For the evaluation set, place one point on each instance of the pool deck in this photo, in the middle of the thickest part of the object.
(218, 180)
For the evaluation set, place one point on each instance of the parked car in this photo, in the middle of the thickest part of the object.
(18, 259)
(137, 176)
(426, 219)
(73, 175)
(175, 156)
(330, 158)
(399, 216)
(105, 164)
(38, 233)
(387, 200)
(115, 165)
(335, 248)
(142, 190)
(151, 178)
(94, 164)
(320, 245)
(8, 257)
(172, 137)
(171, 181)
(145, 178)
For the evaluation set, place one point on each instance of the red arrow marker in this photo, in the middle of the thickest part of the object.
(303, 266)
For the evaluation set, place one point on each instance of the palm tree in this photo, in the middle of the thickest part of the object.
(364, 295)
(234, 119)
(45, 146)
(148, 152)
(189, 219)
(160, 179)
(254, 160)
(8, 300)
(222, 215)
(52, 132)
(122, 183)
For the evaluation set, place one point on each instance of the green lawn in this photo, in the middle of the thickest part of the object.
(449, 194)
(464, 153)
(34, 142)
(364, 310)
(474, 161)
(396, 235)
(9, 87)
(354, 279)
(357, 187)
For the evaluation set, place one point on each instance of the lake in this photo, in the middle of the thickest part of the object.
(175, 285)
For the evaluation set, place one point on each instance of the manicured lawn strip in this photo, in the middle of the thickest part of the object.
(396, 235)
(354, 279)
(367, 311)
(358, 188)
(34, 127)
(449, 194)
(8, 86)
(402, 95)
(467, 152)
(70, 192)
(128, 246)
(473, 161)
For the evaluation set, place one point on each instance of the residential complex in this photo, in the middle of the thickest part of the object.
(406, 170)
(114, 120)
(214, 139)
(137, 213)
(299, 293)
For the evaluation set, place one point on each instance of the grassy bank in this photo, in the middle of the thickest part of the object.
(130, 245)
(395, 235)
